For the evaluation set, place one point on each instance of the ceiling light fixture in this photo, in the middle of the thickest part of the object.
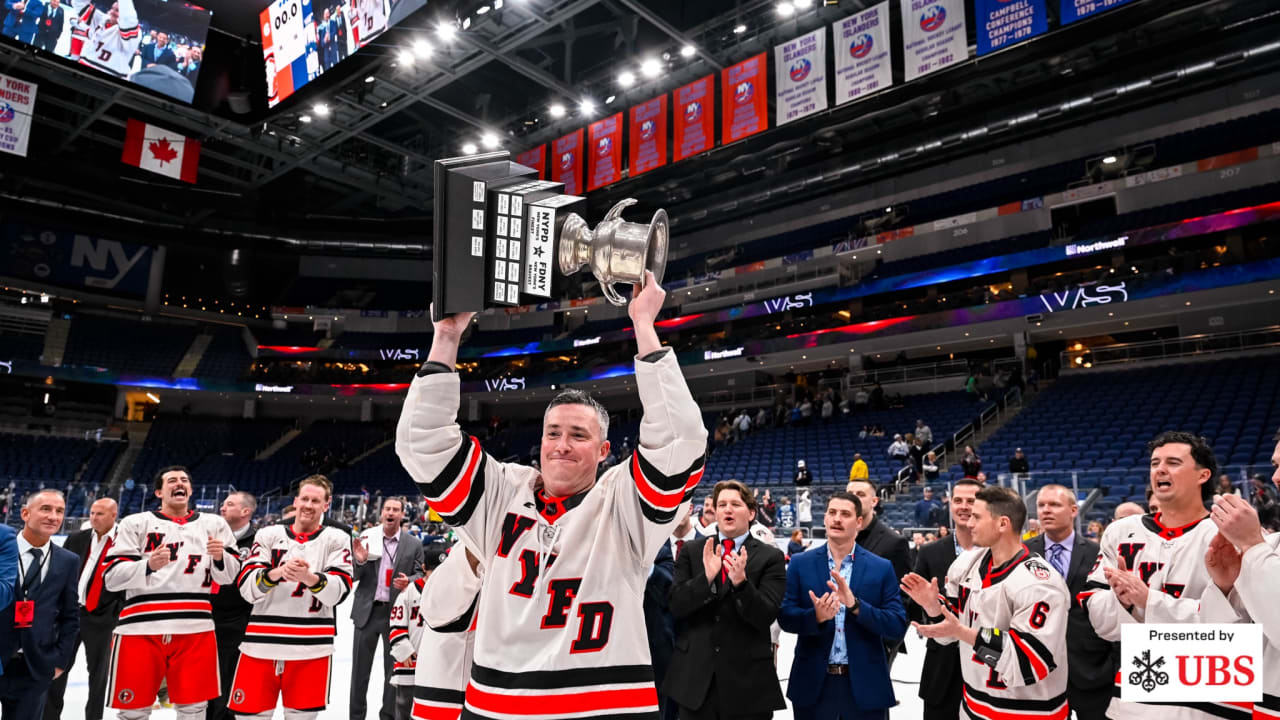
(609, 100)
(320, 109)
(446, 30)
(587, 106)
(489, 140)
(1109, 160)
(626, 78)
(786, 9)
(482, 9)
(557, 111)
(370, 79)
(305, 118)
(650, 67)
(422, 48)
(802, 4)
(739, 29)
(405, 57)
(469, 149)
(688, 51)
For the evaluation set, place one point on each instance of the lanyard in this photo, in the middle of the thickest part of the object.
(386, 552)
(44, 561)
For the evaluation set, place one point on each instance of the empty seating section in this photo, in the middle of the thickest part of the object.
(28, 462)
(226, 358)
(1095, 426)
(202, 445)
(126, 345)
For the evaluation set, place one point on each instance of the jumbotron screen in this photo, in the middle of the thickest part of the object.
(301, 39)
(156, 44)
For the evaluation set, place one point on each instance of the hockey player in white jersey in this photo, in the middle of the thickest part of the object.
(561, 622)
(1245, 568)
(297, 574)
(1008, 609)
(1151, 567)
(168, 563)
(448, 609)
(371, 20)
(106, 40)
(406, 631)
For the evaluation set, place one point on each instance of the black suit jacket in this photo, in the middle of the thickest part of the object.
(886, 542)
(725, 632)
(109, 603)
(941, 662)
(1091, 661)
(51, 640)
(49, 29)
(658, 622)
(230, 609)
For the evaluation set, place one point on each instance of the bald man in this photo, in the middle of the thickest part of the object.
(1125, 509)
(99, 609)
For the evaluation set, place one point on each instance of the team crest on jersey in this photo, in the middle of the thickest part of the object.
(1041, 572)
(237, 697)
(125, 696)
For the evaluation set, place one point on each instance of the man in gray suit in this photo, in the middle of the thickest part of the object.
(385, 565)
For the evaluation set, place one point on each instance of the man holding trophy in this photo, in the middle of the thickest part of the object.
(560, 623)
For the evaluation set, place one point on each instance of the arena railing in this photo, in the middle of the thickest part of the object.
(1191, 345)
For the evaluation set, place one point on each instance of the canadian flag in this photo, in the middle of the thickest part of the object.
(161, 151)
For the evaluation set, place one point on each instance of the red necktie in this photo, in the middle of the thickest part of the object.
(679, 547)
(724, 569)
(94, 591)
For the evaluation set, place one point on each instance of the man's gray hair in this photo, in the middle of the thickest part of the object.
(247, 499)
(31, 499)
(580, 397)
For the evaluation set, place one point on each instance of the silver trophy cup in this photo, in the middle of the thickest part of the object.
(617, 251)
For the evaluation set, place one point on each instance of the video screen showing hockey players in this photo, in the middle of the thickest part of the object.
(301, 39)
(154, 43)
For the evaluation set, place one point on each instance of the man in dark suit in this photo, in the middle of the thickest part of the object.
(50, 26)
(658, 623)
(1091, 661)
(726, 601)
(385, 565)
(230, 610)
(845, 604)
(940, 675)
(881, 540)
(8, 568)
(40, 627)
(99, 610)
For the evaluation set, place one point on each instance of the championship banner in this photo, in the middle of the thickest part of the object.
(566, 162)
(1073, 10)
(933, 36)
(648, 148)
(535, 158)
(604, 138)
(864, 63)
(802, 76)
(17, 103)
(694, 119)
(1002, 23)
(744, 99)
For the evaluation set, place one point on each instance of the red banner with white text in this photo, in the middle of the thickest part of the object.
(604, 140)
(535, 158)
(744, 99)
(694, 118)
(648, 147)
(566, 162)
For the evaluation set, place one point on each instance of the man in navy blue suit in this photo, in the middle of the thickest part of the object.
(40, 626)
(8, 565)
(844, 603)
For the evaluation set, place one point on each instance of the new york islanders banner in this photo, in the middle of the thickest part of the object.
(801, 68)
(17, 107)
(744, 99)
(1002, 23)
(648, 129)
(566, 162)
(1073, 10)
(694, 118)
(933, 36)
(864, 62)
(604, 140)
(535, 158)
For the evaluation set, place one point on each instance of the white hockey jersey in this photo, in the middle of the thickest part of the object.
(371, 21)
(1252, 600)
(290, 621)
(561, 623)
(448, 608)
(98, 42)
(1171, 561)
(406, 632)
(173, 600)
(1020, 611)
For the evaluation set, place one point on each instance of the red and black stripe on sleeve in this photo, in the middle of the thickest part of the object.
(661, 495)
(457, 488)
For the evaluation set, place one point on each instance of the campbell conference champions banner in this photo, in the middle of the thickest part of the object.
(801, 76)
(744, 98)
(604, 139)
(648, 147)
(566, 162)
(1073, 10)
(864, 62)
(694, 118)
(17, 103)
(933, 36)
(1002, 23)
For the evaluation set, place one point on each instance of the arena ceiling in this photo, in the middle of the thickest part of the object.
(362, 174)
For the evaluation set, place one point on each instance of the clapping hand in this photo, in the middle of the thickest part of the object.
(736, 562)
(1222, 560)
(711, 562)
(824, 607)
(1130, 590)
(923, 592)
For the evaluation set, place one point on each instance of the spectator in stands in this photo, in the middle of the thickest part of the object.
(877, 430)
(1125, 509)
(1033, 529)
(785, 517)
(741, 426)
(1264, 498)
(1093, 530)
(925, 508)
(130, 497)
(941, 693)
(898, 451)
(877, 397)
(916, 449)
(1018, 464)
(859, 471)
(762, 418)
(828, 407)
(861, 398)
(970, 463)
(1225, 487)
(803, 477)
(924, 433)
(1091, 662)
(806, 410)
(723, 433)
(768, 508)
(804, 509)
(796, 545)
(864, 432)
(971, 387)
(707, 520)
(930, 468)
